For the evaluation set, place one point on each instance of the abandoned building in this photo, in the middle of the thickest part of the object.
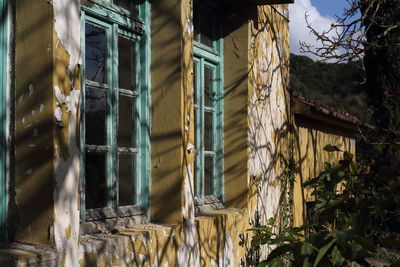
(313, 127)
(142, 133)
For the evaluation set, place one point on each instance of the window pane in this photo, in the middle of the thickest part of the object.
(208, 131)
(127, 4)
(197, 151)
(206, 27)
(208, 175)
(95, 53)
(95, 116)
(196, 23)
(125, 66)
(95, 180)
(126, 122)
(126, 180)
(208, 86)
(195, 73)
(203, 26)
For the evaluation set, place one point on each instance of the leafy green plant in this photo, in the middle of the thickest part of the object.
(355, 209)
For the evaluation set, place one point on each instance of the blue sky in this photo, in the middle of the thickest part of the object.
(330, 7)
(321, 14)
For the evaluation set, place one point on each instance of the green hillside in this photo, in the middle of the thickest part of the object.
(335, 85)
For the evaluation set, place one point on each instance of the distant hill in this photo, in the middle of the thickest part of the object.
(335, 85)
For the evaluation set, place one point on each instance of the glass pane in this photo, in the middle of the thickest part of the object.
(95, 53)
(208, 131)
(95, 116)
(195, 78)
(95, 180)
(208, 86)
(125, 66)
(206, 27)
(126, 122)
(197, 151)
(196, 23)
(208, 175)
(203, 21)
(127, 4)
(126, 180)
(196, 174)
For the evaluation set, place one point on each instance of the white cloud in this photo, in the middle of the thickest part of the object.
(298, 28)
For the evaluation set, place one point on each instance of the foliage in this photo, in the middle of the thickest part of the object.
(355, 211)
(368, 31)
(332, 84)
(349, 38)
(382, 62)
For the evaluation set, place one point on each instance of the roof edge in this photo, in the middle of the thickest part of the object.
(309, 108)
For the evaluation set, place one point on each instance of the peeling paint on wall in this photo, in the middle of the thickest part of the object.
(188, 254)
(268, 110)
(211, 239)
(67, 26)
(66, 110)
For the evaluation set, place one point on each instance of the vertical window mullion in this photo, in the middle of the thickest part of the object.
(219, 124)
(201, 104)
(110, 120)
(3, 84)
(197, 110)
(215, 132)
(139, 176)
(82, 124)
(114, 185)
(143, 87)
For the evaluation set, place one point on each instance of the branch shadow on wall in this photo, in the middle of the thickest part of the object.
(268, 146)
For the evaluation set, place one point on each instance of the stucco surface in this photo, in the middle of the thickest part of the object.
(216, 235)
(32, 208)
(310, 139)
(268, 111)
(255, 137)
(67, 85)
(167, 97)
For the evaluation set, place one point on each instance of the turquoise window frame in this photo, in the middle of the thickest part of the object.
(211, 57)
(3, 114)
(137, 29)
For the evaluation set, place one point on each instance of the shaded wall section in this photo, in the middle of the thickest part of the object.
(310, 138)
(166, 111)
(34, 125)
(236, 44)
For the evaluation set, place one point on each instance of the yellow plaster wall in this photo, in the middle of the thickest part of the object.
(217, 242)
(256, 116)
(32, 208)
(268, 113)
(268, 110)
(166, 111)
(236, 36)
(218, 237)
(310, 139)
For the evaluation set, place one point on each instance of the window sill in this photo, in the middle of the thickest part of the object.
(107, 213)
(209, 203)
(23, 254)
(111, 225)
(155, 243)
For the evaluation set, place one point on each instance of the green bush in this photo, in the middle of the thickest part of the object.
(356, 210)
